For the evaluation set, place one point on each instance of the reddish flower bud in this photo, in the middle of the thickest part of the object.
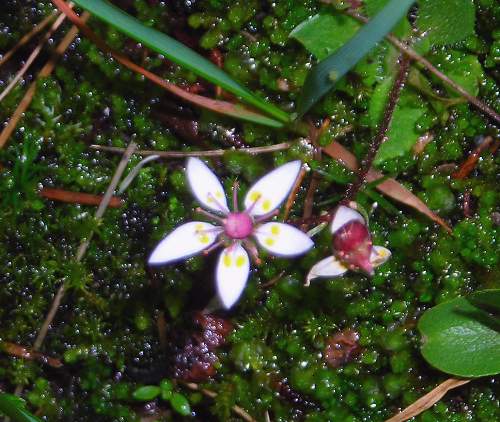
(352, 244)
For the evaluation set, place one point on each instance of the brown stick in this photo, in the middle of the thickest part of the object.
(210, 153)
(212, 394)
(384, 126)
(26, 353)
(431, 68)
(84, 245)
(44, 72)
(427, 401)
(27, 37)
(471, 161)
(31, 58)
(78, 197)
(293, 194)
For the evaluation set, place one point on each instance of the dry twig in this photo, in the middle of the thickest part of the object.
(31, 58)
(212, 394)
(427, 401)
(82, 249)
(26, 38)
(28, 354)
(471, 161)
(78, 197)
(210, 153)
(46, 71)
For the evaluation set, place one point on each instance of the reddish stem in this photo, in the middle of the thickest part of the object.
(78, 197)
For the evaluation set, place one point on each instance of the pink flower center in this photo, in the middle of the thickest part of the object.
(238, 225)
(352, 244)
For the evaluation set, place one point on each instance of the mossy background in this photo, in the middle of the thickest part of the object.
(106, 327)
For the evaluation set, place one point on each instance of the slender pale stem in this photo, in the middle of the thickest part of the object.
(210, 153)
(34, 54)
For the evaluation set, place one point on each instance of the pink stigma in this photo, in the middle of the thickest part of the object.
(238, 225)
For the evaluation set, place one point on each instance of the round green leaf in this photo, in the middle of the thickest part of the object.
(146, 393)
(180, 404)
(461, 339)
(488, 300)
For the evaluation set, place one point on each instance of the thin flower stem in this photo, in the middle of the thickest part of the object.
(384, 126)
(210, 153)
(27, 37)
(431, 68)
(82, 249)
(34, 54)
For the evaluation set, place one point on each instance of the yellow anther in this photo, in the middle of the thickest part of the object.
(254, 196)
(204, 239)
(240, 261)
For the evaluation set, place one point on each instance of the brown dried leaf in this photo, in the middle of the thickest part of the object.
(390, 187)
(427, 401)
(29, 354)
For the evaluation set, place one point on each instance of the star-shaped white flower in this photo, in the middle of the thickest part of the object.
(235, 229)
(352, 247)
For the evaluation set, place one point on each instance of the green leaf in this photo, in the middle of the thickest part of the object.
(177, 52)
(402, 133)
(15, 408)
(180, 404)
(325, 74)
(488, 300)
(460, 339)
(166, 388)
(146, 392)
(446, 21)
(464, 69)
(322, 34)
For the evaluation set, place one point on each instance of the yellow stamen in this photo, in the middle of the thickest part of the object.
(240, 261)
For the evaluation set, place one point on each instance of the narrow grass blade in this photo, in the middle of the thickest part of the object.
(177, 52)
(15, 408)
(326, 73)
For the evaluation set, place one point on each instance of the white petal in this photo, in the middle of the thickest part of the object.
(232, 274)
(271, 190)
(379, 255)
(328, 267)
(283, 239)
(342, 216)
(185, 241)
(206, 186)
